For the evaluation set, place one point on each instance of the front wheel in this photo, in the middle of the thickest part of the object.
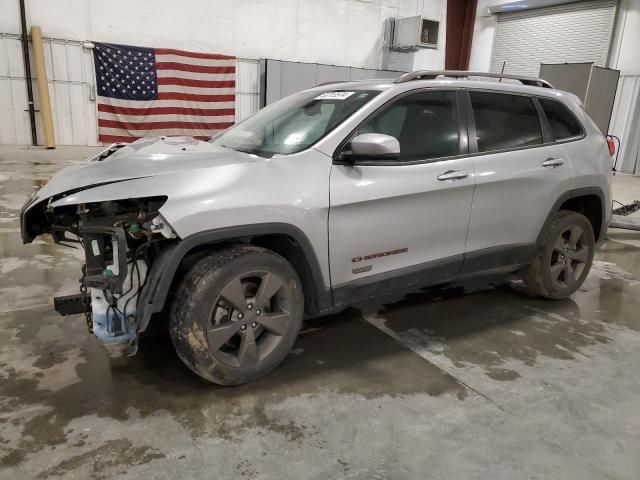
(564, 257)
(237, 314)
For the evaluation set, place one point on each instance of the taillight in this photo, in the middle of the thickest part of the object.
(612, 145)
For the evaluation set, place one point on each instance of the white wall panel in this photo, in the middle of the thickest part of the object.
(74, 63)
(61, 106)
(625, 123)
(59, 67)
(259, 32)
(7, 134)
(71, 83)
(14, 57)
(338, 32)
(624, 54)
(20, 118)
(78, 96)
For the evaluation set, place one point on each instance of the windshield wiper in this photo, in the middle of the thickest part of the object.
(246, 150)
(250, 151)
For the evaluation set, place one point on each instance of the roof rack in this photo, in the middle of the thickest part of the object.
(433, 74)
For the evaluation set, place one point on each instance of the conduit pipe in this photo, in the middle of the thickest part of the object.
(27, 73)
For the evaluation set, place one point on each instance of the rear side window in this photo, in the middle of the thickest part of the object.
(505, 121)
(563, 123)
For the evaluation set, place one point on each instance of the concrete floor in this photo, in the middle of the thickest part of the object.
(466, 383)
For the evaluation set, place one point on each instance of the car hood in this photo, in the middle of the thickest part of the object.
(143, 158)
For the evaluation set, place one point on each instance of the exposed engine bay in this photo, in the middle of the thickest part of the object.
(120, 239)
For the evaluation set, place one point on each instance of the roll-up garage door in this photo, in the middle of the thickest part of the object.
(574, 32)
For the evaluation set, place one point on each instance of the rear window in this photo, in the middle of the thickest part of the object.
(563, 123)
(505, 121)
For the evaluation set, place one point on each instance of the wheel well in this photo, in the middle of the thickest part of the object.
(591, 207)
(287, 247)
(282, 244)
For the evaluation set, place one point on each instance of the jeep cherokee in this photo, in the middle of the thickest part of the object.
(327, 197)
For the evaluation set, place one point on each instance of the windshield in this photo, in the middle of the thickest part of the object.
(293, 123)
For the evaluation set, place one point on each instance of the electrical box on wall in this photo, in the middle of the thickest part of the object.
(412, 33)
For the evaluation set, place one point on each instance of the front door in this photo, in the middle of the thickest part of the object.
(398, 223)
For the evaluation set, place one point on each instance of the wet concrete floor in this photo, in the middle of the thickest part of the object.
(478, 381)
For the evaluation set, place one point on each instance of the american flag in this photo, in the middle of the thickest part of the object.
(159, 91)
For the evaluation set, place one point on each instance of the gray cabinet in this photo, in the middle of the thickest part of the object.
(596, 87)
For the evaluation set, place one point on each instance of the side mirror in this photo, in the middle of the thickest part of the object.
(374, 146)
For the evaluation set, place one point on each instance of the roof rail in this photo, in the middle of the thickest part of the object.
(332, 82)
(433, 74)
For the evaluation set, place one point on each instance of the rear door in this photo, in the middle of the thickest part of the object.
(520, 173)
(396, 223)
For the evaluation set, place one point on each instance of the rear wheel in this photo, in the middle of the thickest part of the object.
(564, 258)
(237, 314)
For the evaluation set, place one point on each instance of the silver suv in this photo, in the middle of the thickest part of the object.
(325, 198)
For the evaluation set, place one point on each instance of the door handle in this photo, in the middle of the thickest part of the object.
(453, 175)
(552, 162)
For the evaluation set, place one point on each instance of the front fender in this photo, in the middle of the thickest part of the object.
(159, 280)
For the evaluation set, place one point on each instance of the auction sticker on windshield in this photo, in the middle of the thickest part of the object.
(334, 95)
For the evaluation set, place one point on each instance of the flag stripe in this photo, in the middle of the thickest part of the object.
(172, 117)
(183, 53)
(195, 90)
(196, 75)
(187, 82)
(162, 125)
(192, 132)
(195, 97)
(195, 68)
(116, 138)
(194, 61)
(127, 139)
(117, 102)
(205, 112)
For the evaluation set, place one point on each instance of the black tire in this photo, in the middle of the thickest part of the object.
(208, 307)
(564, 256)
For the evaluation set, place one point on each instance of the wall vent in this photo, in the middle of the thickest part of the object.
(413, 33)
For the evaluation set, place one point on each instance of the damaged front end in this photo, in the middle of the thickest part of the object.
(121, 239)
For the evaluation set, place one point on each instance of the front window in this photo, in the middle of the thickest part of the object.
(425, 124)
(293, 123)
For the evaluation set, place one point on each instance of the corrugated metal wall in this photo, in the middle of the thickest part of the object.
(625, 123)
(247, 88)
(71, 87)
(573, 33)
(72, 90)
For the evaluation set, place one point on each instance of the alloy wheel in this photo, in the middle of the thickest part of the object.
(249, 318)
(569, 257)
